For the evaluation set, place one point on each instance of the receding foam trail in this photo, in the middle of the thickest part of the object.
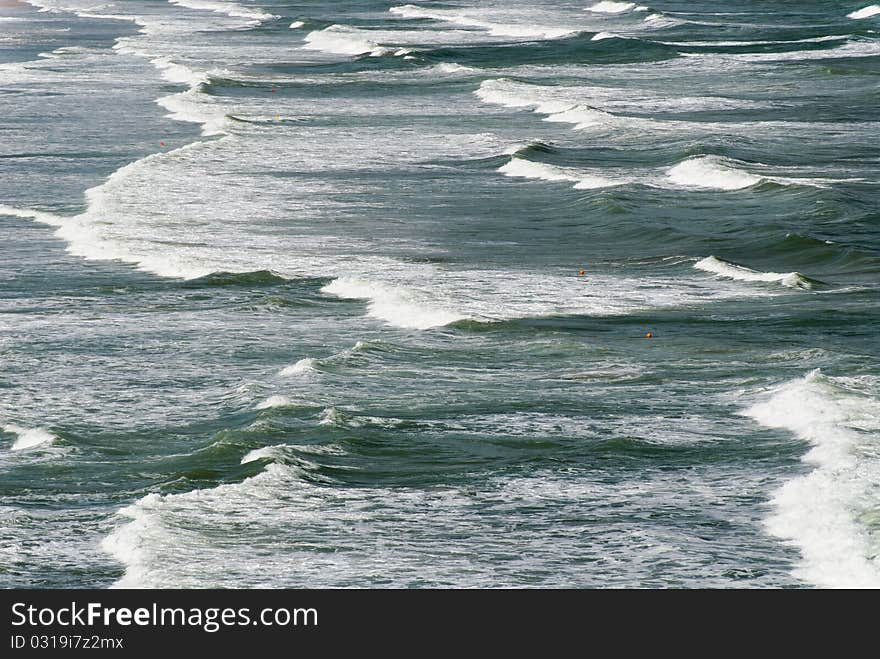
(822, 512)
(712, 172)
(228, 8)
(29, 437)
(494, 29)
(733, 271)
(408, 308)
(866, 12)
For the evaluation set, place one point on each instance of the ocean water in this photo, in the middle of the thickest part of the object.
(290, 294)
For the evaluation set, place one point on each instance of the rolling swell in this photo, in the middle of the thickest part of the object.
(573, 50)
(257, 278)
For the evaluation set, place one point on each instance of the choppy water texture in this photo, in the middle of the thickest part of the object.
(290, 294)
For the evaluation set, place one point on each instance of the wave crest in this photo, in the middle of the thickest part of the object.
(865, 12)
(712, 172)
(734, 271)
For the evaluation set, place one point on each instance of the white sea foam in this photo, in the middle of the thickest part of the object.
(229, 8)
(702, 172)
(274, 401)
(268, 452)
(581, 116)
(452, 67)
(400, 306)
(39, 216)
(850, 49)
(522, 168)
(601, 36)
(822, 511)
(29, 437)
(342, 40)
(130, 543)
(699, 173)
(659, 21)
(734, 271)
(331, 417)
(519, 167)
(866, 12)
(713, 172)
(177, 73)
(91, 236)
(305, 365)
(493, 28)
(830, 37)
(195, 107)
(296, 25)
(543, 100)
(720, 173)
(608, 7)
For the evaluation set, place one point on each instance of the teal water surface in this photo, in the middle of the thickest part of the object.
(461, 294)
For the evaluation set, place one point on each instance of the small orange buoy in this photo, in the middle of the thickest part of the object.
(648, 335)
(581, 272)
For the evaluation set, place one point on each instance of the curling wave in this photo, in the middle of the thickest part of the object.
(734, 271)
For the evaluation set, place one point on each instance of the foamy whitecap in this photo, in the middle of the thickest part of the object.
(194, 107)
(305, 365)
(331, 417)
(229, 8)
(266, 452)
(734, 271)
(554, 103)
(340, 40)
(296, 25)
(493, 28)
(601, 36)
(713, 172)
(854, 49)
(29, 437)
(274, 401)
(522, 168)
(865, 12)
(452, 67)
(821, 511)
(403, 307)
(660, 21)
(177, 73)
(580, 115)
(608, 7)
